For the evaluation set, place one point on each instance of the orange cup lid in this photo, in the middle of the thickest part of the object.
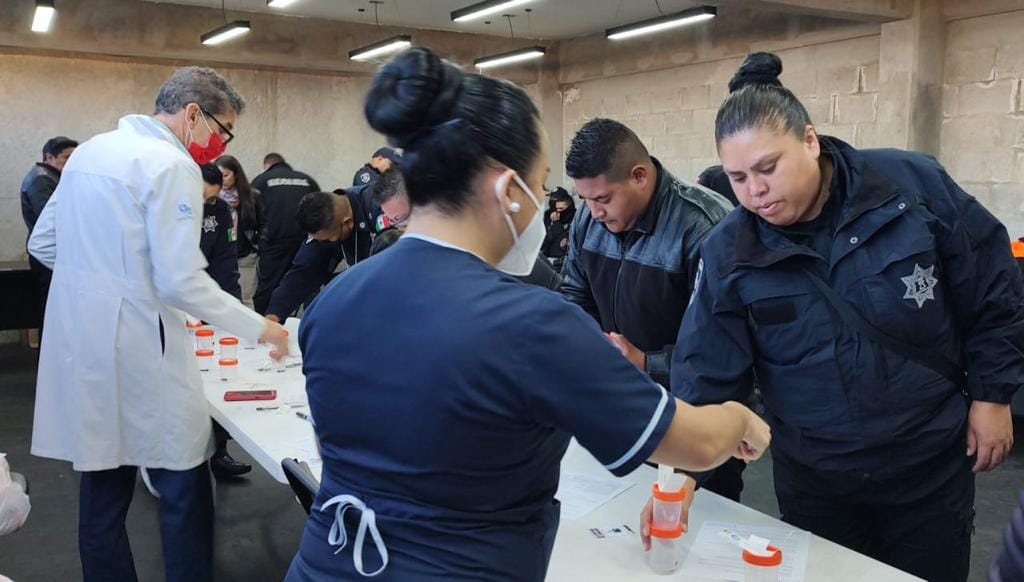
(228, 362)
(772, 559)
(657, 532)
(193, 324)
(204, 353)
(204, 332)
(670, 496)
(229, 341)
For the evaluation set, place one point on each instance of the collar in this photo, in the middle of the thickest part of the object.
(649, 219)
(440, 243)
(48, 168)
(149, 126)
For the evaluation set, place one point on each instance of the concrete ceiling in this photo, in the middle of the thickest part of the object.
(548, 19)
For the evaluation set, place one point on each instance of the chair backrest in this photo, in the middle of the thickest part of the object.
(302, 481)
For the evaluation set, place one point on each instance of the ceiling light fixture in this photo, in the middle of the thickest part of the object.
(386, 46)
(44, 16)
(661, 23)
(515, 56)
(481, 9)
(222, 34)
(280, 3)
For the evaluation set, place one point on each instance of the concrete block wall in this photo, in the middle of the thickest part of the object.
(315, 121)
(983, 114)
(673, 110)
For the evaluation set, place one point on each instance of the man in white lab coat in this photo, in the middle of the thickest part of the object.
(118, 386)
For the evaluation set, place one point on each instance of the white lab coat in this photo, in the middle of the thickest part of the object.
(121, 233)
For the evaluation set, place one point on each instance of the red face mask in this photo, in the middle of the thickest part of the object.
(213, 150)
(214, 147)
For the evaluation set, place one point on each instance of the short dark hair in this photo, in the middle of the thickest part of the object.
(450, 125)
(389, 185)
(211, 174)
(604, 147)
(384, 240)
(315, 211)
(55, 145)
(272, 158)
(758, 99)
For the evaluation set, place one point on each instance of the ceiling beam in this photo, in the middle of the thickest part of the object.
(859, 10)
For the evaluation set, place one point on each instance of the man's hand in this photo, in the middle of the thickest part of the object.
(276, 335)
(273, 318)
(564, 243)
(554, 216)
(632, 353)
(647, 513)
(989, 434)
(756, 439)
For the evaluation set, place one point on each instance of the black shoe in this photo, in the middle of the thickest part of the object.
(224, 467)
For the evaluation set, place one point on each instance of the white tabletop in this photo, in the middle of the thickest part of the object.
(273, 435)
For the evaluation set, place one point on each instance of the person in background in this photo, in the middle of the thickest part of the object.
(341, 226)
(395, 212)
(715, 178)
(36, 189)
(247, 213)
(382, 160)
(281, 188)
(495, 377)
(219, 244)
(384, 240)
(878, 307)
(562, 209)
(118, 386)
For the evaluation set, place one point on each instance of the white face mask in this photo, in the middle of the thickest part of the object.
(520, 258)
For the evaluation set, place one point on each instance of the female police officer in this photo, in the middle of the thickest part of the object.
(445, 428)
(867, 292)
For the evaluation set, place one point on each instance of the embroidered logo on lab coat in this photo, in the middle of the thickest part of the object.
(920, 285)
(210, 224)
(184, 212)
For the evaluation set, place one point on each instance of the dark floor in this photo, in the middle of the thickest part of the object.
(258, 521)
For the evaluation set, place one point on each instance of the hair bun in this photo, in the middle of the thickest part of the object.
(412, 93)
(757, 69)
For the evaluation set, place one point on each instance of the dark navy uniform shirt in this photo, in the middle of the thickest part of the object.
(445, 394)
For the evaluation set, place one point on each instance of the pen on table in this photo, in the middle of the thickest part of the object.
(267, 407)
(305, 417)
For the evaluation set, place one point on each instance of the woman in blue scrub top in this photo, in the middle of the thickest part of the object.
(442, 431)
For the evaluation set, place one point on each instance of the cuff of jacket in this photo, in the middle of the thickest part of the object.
(658, 365)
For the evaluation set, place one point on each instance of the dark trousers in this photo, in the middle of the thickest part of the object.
(273, 264)
(726, 480)
(920, 522)
(186, 524)
(43, 276)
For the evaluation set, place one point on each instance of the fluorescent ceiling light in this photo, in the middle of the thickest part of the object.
(225, 33)
(44, 16)
(662, 23)
(515, 56)
(386, 46)
(280, 3)
(481, 9)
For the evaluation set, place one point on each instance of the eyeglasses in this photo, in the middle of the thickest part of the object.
(223, 129)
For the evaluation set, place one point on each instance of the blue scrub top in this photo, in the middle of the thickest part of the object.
(445, 394)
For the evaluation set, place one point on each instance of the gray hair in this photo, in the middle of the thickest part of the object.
(198, 85)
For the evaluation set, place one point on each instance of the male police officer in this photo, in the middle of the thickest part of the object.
(381, 161)
(634, 250)
(281, 189)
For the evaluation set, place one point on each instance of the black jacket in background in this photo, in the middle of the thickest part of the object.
(316, 261)
(638, 283)
(250, 227)
(281, 188)
(36, 189)
(219, 244)
(366, 176)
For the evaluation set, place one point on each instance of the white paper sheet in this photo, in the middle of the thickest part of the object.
(713, 557)
(580, 494)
